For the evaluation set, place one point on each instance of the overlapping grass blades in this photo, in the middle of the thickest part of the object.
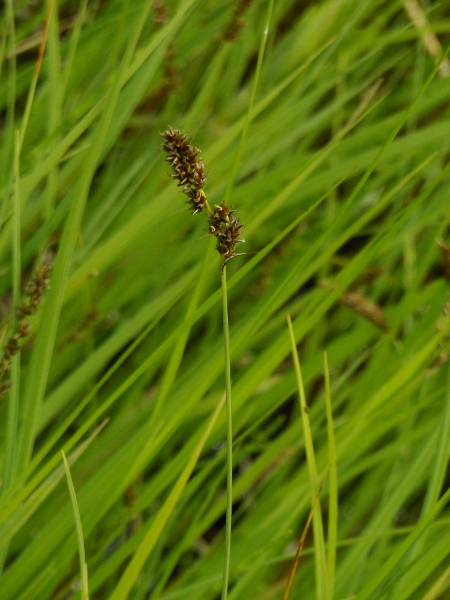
(342, 184)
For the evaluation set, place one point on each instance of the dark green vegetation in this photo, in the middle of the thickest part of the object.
(343, 189)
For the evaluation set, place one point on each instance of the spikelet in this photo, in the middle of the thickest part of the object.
(187, 166)
(227, 230)
(190, 173)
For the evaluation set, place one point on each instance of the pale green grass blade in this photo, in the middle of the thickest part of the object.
(83, 565)
(319, 540)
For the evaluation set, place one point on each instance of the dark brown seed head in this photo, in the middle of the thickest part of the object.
(227, 230)
(188, 169)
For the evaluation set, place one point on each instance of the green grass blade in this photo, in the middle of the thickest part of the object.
(79, 528)
(128, 579)
(37, 69)
(73, 45)
(10, 467)
(39, 493)
(246, 123)
(55, 96)
(333, 493)
(397, 555)
(42, 355)
(319, 540)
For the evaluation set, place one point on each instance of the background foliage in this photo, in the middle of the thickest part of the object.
(342, 190)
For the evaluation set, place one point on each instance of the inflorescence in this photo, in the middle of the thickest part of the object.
(227, 229)
(35, 290)
(189, 170)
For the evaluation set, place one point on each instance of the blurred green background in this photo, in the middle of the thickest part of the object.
(343, 192)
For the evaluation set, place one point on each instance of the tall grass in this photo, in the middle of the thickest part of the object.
(342, 186)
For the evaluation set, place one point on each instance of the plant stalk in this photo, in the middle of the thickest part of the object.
(226, 334)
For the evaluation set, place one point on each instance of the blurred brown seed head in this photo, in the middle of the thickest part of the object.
(35, 290)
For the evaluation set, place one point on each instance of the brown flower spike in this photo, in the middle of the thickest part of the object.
(35, 290)
(227, 229)
(189, 171)
(188, 168)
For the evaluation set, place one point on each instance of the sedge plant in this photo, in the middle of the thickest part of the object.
(342, 185)
(189, 171)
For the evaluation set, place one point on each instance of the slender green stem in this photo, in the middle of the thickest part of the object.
(226, 332)
(226, 335)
